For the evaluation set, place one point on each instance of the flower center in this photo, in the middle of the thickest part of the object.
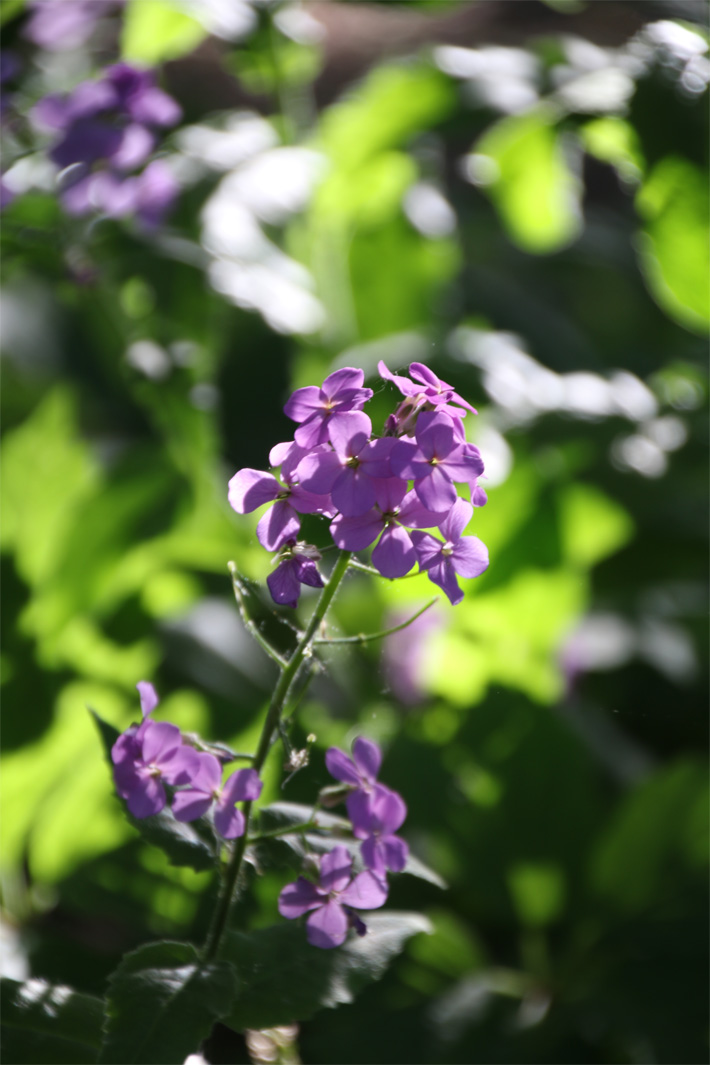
(447, 549)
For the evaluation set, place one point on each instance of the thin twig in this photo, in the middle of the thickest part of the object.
(366, 637)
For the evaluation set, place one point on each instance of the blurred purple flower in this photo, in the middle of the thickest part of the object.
(332, 902)
(58, 25)
(466, 556)
(404, 653)
(426, 391)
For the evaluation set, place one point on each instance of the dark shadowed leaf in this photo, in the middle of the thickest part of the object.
(284, 979)
(44, 1022)
(181, 842)
(162, 1002)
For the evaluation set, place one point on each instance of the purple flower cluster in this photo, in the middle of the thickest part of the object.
(374, 490)
(148, 756)
(106, 130)
(376, 812)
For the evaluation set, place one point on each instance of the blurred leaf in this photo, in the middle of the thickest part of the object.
(285, 979)
(9, 9)
(538, 892)
(674, 241)
(68, 814)
(157, 30)
(38, 510)
(181, 841)
(162, 1002)
(510, 635)
(393, 104)
(42, 1022)
(658, 833)
(592, 525)
(531, 182)
(338, 832)
(615, 141)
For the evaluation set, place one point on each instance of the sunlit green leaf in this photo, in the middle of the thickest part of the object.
(530, 180)
(162, 1002)
(673, 246)
(157, 30)
(593, 526)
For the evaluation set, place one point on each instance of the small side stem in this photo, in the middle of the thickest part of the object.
(366, 637)
(273, 715)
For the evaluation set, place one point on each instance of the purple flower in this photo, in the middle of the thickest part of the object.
(405, 652)
(58, 25)
(427, 390)
(317, 410)
(249, 489)
(347, 472)
(466, 556)
(376, 816)
(331, 903)
(112, 120)
(297, 567)
(206, 786)
(145, 760)
(395, 507)
(361, 770)
(436, 461)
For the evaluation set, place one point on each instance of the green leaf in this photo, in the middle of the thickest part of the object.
(291, 849)
(674, 241)
(162, 1002)
(156, 30)
(285, 979)
(9, 9)
(48, 1022)
(529, 180)
(181, 842)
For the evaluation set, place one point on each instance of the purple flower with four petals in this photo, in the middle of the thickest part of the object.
(150, 757)
(331, 904)
(436, 461)
(466, 556)
(206, 787)
(297, 567)
(318, 409)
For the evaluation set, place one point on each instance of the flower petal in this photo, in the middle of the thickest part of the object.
(353, 493)
(284, 585)
(436, 491)
(242, 786)
(148, 798)
(279, 524)
(340, 766)
(394, 555)
(396, 853)
(335, 869)
(355, 534)
(444, 574)
(298, 898)
(148, 696)
(456, 520)
(190, 804)
(327, 927)
(249, 489)
(470, 557)
(160, 740)
(303, 403)
(349, 431)
(367, 757)
(367, 892)
(228, 821)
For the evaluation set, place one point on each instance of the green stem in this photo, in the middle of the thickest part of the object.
(288, 831)
(273, 716)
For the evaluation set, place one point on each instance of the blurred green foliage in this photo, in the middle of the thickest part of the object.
(549, 258)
